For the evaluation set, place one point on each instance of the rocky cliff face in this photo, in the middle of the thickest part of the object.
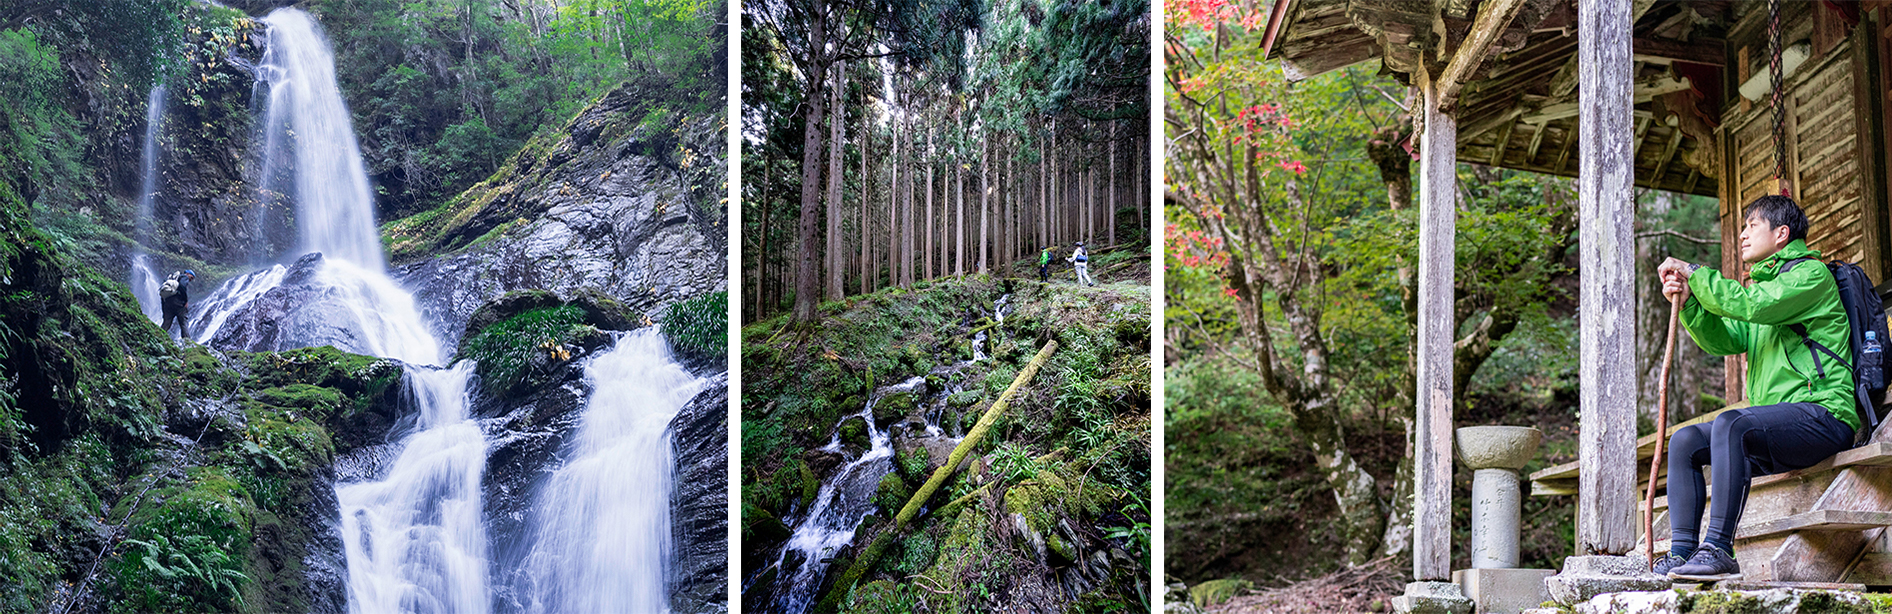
(619, 203)
(699, 508)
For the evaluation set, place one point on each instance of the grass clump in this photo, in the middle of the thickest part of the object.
(513, 352)
(699, 327)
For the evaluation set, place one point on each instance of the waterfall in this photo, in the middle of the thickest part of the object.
(144, 282)
(602, 536)
(414, 540)
(334, 205)
(413, 534)
(308, 137)
(144, 286)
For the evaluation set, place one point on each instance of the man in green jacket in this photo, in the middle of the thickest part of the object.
(1800, 406)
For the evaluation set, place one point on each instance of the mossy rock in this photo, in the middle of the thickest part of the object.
(964, 398)
(880, 597)
(761, 528)
(854, 433)
(208, 520)
(1062, 553)
(1215, 592)
(506, 306)
(810, 486)
(895, 406)
(318, 402)
(891, 494)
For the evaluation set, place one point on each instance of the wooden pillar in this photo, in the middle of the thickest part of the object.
(1606, 491)
(1432, 434)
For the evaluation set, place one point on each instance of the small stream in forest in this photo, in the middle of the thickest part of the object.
(846, 496)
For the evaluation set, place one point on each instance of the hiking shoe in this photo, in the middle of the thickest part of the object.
(1667, 562)
(1710, 564)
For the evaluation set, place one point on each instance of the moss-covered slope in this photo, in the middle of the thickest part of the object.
(203, 479)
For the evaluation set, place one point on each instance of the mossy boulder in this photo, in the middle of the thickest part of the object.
(187, 548)
(1215, 592)
(521, 353)
(854, 433)
(892, 407)
(891, 494)
(763, 528)
(964, 398)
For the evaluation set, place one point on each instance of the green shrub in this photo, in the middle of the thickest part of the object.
(531, 343)
(699, 327)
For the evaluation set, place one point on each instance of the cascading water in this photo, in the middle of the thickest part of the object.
(602, 536)
(309, 137)
(334, 205)
(839, 507)
(144, 286)
(144, 282)
(414, 536)
(414, 540)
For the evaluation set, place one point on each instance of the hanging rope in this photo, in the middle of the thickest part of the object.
(1779, 98)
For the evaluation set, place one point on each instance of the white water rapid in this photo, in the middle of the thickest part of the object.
(602, 522)
(144, 282)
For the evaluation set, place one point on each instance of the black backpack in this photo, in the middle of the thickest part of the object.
(1864, 313)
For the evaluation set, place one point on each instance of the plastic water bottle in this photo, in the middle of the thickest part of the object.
(1869, 356)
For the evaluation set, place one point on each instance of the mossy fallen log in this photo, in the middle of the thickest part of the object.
(832, 601)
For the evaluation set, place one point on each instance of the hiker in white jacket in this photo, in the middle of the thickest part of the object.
(1081, 260)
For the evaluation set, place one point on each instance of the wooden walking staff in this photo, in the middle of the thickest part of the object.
(1662, 435)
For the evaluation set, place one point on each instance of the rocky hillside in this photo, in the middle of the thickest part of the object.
(624, 199)
(1049, 509)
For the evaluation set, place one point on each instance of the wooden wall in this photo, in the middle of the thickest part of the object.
(1836, 162)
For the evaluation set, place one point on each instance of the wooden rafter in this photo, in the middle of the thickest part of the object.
(1493, 17)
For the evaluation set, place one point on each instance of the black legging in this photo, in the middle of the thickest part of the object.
(1741, 444)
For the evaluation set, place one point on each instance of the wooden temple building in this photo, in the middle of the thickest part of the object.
(1665, 94)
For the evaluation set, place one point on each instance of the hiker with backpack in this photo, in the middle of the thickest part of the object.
(1081, 260)
(175, 297)
(1044, 265)
(1792, 323)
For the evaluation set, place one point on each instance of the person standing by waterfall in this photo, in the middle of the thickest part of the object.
(1081, 260)
(176, 299)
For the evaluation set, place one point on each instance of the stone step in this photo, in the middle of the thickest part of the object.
(1744, 585)
(1818, 520)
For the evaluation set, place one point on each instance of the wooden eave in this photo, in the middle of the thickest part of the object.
(1511, 111)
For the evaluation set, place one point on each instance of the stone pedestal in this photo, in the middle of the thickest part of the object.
(1432, 598)
(1503, 591)
(1584, 577)
(1495, 454)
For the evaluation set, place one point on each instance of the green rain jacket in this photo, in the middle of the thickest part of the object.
(1726, 318)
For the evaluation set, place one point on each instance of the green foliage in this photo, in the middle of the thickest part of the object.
(912, 463)
(524, 346)
(699, 326)
(916, 554)
(444, 91)
(187, 552)
(891, 494)
(191, 561)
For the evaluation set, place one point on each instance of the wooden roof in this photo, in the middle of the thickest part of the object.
(1518, 109)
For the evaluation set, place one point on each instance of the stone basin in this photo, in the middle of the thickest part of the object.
(1498, 447)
